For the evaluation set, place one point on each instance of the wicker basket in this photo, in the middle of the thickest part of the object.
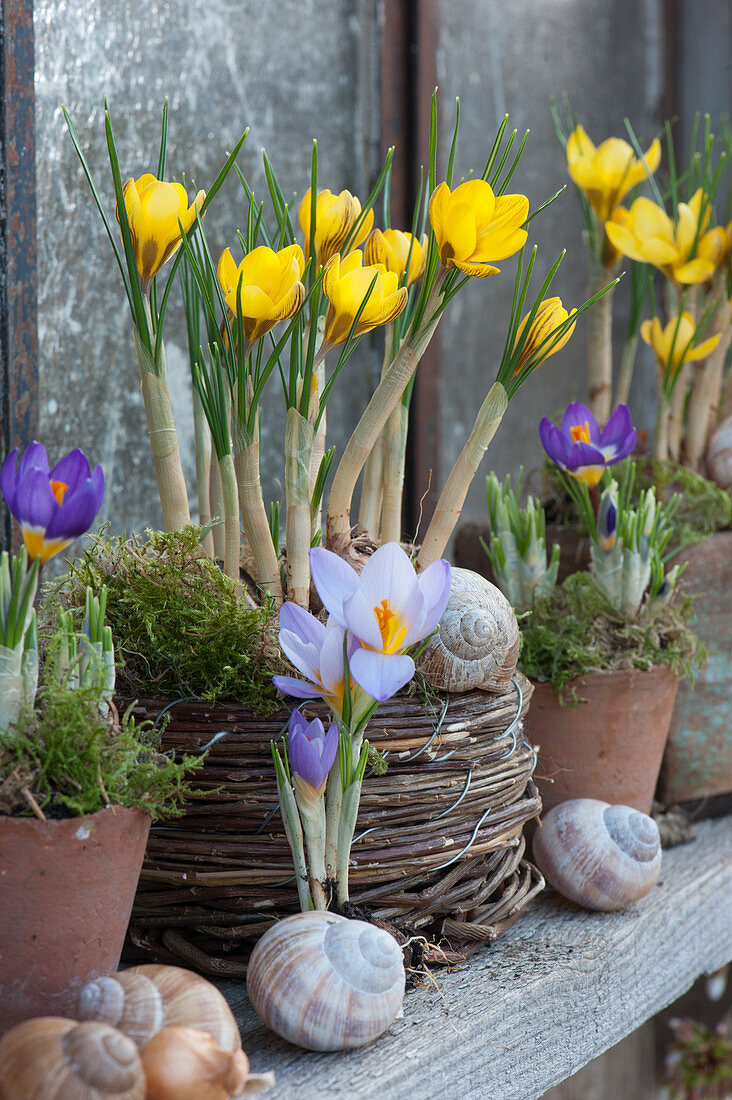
(438, 850)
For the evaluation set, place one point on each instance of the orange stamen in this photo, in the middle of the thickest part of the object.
(59, 490)
(580, 432)
(392, 633)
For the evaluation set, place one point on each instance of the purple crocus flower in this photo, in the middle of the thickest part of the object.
(52, 507)
(584, 449)
(388, 608)
(311, 749)
(317, 652)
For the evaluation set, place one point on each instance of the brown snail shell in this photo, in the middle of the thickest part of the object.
(477, 645)
(326, 983)
(719, 454)
(56, 1059)
(598, 855)
(142, 1000)
(182, 1063)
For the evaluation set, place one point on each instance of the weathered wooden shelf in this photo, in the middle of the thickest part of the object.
(558, 989)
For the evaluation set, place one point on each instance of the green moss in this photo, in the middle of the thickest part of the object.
(178, 623)
(575, 631)
(703, 509)
(74, 762)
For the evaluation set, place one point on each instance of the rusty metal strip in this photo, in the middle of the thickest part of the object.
(18, 280)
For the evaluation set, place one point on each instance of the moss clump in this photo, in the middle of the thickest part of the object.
(703, 508)
(178, 622)
(72, 761)
(575, 631)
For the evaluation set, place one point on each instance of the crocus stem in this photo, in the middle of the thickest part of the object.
(395, 445)
(254, 517)
(11, 686)
(293, 832)
(217, 511)
(202, 444)
(370, 508)
(346, 829)
(377, 412)
(600, 347)
(627, 367)
(660, 437)
(333, 802)
(232, 540)
(676, 413)
(452, 497)
(162, 434)
(318, 447)
(707, 391)
(298, 457)
(312, 816)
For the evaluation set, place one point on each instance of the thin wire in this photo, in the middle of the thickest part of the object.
(164, 711)
(467, 847)
(437, 729)
(456, 804)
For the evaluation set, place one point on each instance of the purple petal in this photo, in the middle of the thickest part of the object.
(33, 458)
(388, 574)
(584, 454)
(361, 620)
(330, 748)
(7, 479)
(553, 442)
(434, 585)
(575, 415)
(301, 689)
(334, 580)
(299, 621)
(298, 723)
(380, 675)
(617, 429)
(76, 514)
(331, 659)
(35, 504)
(304, 656)
(615, 453)
(73, 469)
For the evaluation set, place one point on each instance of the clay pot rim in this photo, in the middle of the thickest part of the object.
(59, 823)
(659, 672)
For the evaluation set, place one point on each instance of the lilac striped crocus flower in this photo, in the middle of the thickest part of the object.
(311, 749)
(52, 506)
(316, 651)
(582, 448)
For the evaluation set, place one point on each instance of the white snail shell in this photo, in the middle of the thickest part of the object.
(719, 454)
(477, 645)
(142, 1000)
(182, 1063)
(326, 983)
(598, 855)
(56, 1059)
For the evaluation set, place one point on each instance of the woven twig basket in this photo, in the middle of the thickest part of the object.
(438, 850)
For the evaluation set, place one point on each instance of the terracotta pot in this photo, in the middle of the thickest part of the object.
(67, 893)
(610, 746)
(698, 760)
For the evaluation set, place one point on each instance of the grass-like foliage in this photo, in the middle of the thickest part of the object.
(73, 761)
(179, 624)
(575, 631)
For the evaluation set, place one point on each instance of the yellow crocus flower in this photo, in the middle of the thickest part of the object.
(345, 285)
(270, 289)
(549, 316)
(606, 173)
(649, 235)
(473, 228)
(335, 217)
(681, 341)
(154, 209)
(390, 248)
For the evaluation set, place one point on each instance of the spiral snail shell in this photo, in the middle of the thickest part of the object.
(56, 1059)
(598, 855)
(477, 645)
(182, 1063)
(719, 454)
(326, 983)
(142, 1000)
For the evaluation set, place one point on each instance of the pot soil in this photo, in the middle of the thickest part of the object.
(698, 760)
(67, 892)
(611, 745)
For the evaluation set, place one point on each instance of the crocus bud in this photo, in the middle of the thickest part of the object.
(607, 519)
(311, 749)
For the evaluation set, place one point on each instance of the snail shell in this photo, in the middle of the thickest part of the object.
(142, 1000)
(326, 983)
(600, 856)
(477, 645)
(719, 454)
(57, 1059)
(182, 1063)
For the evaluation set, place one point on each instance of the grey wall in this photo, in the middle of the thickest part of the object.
(290, 71)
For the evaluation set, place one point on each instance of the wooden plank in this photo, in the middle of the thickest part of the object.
(558, 989)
